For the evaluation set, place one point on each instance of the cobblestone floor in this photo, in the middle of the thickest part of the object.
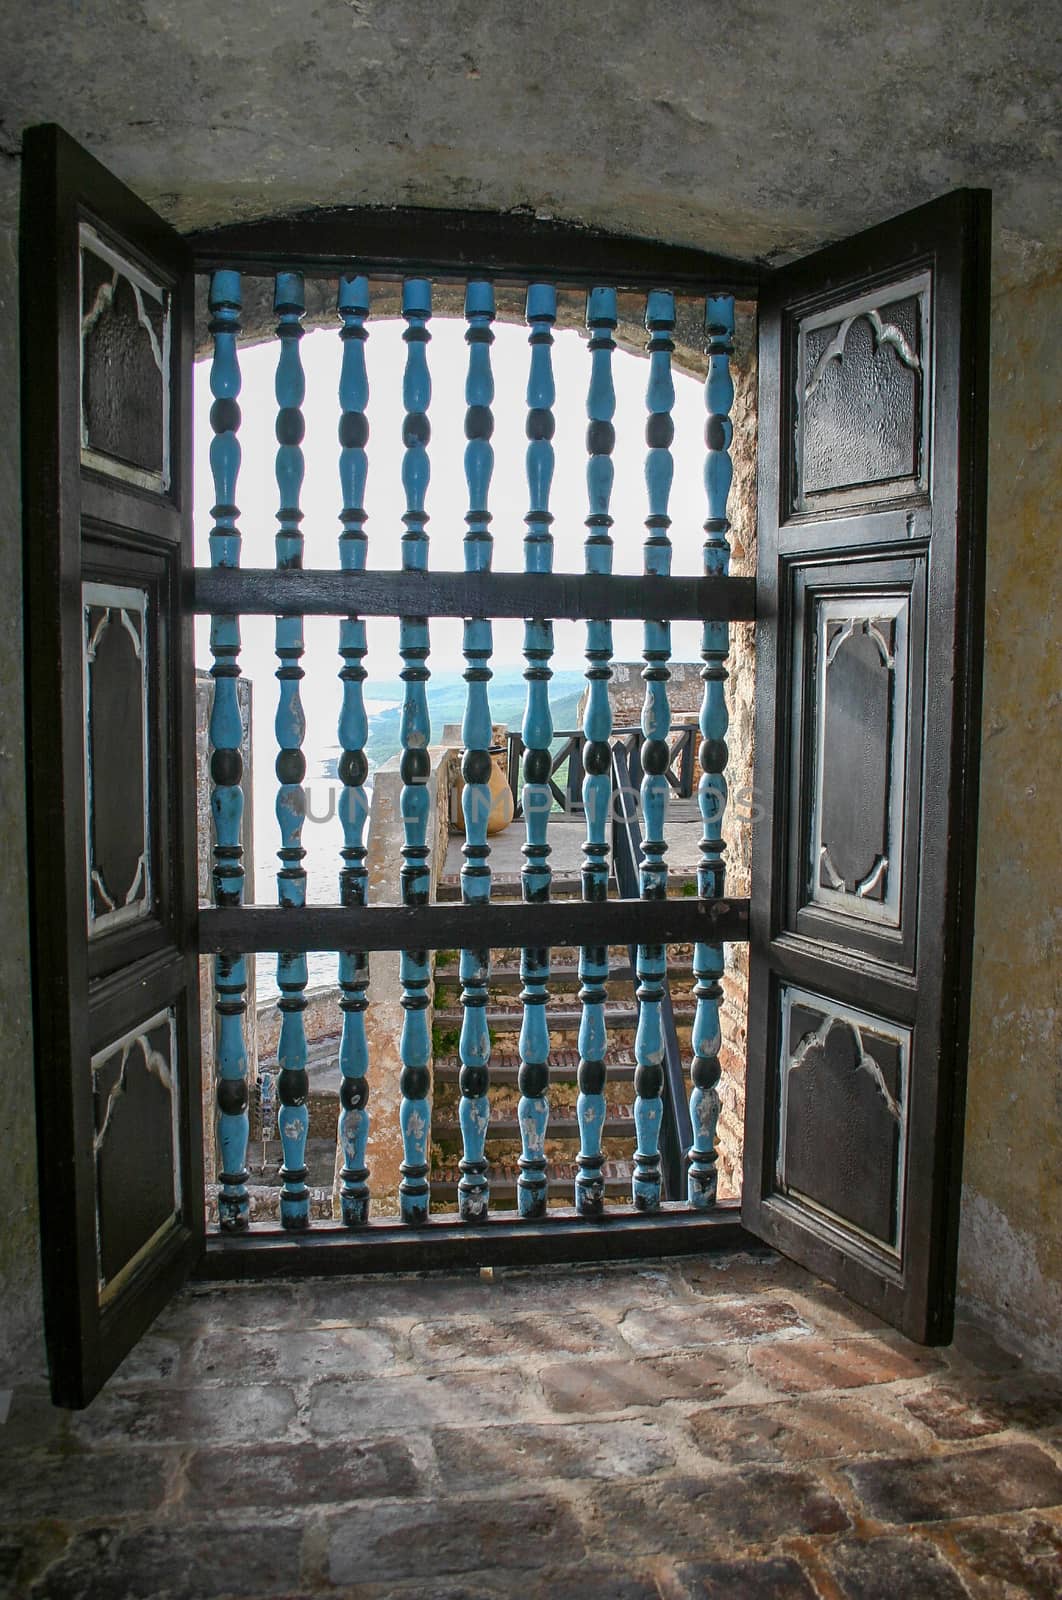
(712, 1427)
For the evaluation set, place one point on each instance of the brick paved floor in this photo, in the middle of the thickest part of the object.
(699, 1428)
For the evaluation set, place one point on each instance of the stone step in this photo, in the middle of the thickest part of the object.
(564, 886)
(504, 1066)
(564, 1064)
(564, 964)
(564, 974)
(265, 1156)
(561, 1174)
(509, 1018)
(448, 890)
(563, 1124)
(264, 1201)
(322, 1055)
(564, 978)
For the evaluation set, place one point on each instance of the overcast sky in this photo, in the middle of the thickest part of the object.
(447, 494)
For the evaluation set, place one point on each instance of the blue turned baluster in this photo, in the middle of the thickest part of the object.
(533, 1110)
(473, 1189)
(414, 970)
(226, 762)
(655, 753)
(597, 755)
(292, 1080)
(353, 1128)
(712, 791)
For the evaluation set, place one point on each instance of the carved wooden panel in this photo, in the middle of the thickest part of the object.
(856, 664)
(856, 835)
(125, 367)
(117, 789)
(136, 1144)
(842, 1123)
(862, 393)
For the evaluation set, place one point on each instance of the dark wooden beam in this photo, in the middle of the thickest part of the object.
(267, 592)
(391, 242)
(457, 927)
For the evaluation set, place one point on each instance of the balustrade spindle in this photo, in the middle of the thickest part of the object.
(473, 1189)
(656, 721)
(226, 761)
(293, 1084)
(353, 1127)
(601, 320)
(414, 1191)
(712, 790)
(532, 1184)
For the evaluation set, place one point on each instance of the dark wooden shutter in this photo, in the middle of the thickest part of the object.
(873, 376)
(106, 394)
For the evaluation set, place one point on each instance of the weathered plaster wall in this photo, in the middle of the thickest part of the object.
(20, 1315)
(760, 130)
(1010, 1270)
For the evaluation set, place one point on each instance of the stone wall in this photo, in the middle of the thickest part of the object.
(20, 1282)
(626, 692)
(1010, 1256)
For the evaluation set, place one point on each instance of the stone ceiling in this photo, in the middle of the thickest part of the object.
(758, 131)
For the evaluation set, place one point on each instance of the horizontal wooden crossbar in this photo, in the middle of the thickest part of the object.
(395, 241)
(445, 1244)
(305, 592)
(459, 927)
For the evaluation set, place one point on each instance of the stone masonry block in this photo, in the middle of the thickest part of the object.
(191, 1562)
(777, 1578)
(1024, 1558)
(351, 1408)
(956, 1414)
(600, 1450)
(814, 1429)
(721, 1322)
(1010, 1477)
(573, 1387)
(425, 1539)
(299, 1474)
(894, 1569)
(798, 1367)
(717, 1513)
(518, 1339)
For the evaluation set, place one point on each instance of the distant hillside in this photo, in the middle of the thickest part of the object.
(446, 704)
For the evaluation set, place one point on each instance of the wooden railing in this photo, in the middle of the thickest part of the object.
(567, 771)
(598, 763)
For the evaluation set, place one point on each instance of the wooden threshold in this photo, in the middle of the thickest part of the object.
(446, 1245)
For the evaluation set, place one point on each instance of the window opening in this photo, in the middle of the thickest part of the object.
(536, 1076)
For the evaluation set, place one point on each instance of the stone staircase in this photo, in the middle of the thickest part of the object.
(504, 1015)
